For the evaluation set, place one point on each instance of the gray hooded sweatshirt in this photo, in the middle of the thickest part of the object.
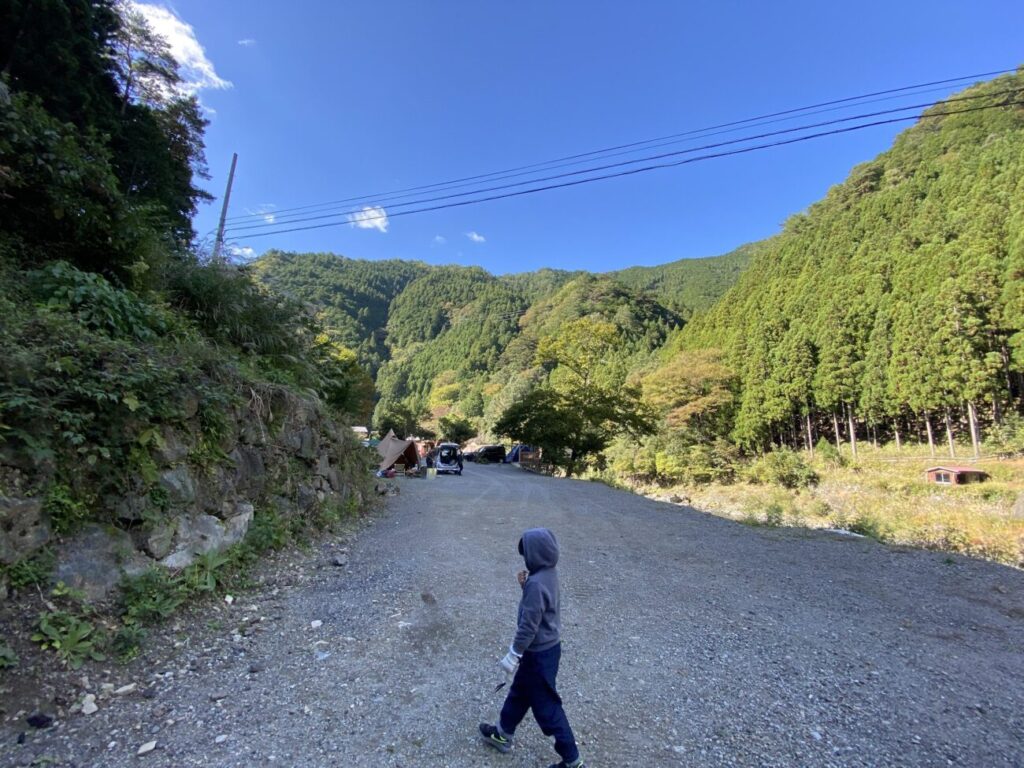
(539, 619)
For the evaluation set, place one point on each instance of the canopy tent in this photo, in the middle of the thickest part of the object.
(393, 449)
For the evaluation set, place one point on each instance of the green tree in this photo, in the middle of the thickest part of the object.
(571, 429)
(456, 429)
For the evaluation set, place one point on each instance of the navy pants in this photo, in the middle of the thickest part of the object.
(534, 688)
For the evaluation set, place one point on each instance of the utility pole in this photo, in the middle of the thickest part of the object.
(218, 244)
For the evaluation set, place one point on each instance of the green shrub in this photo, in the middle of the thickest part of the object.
(152, 596)
(230, 307)
(784, 467)
(268, 531)
(1007, 439)
(826, 452)
(66, 511)
(31, 571)
(95, 302)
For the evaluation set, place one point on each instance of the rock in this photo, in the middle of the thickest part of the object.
(180, 486)
(124, 690)
(339, 561)
(218, 695)
(323, 465)
(252, 432)
(305, 497)
(334, 479)
(170, 449)
(220, 739)
(96, 559)
(23, 528)
(316, 624)
(89, 704)
(309, 443)
(237, 525)
(39, 720)
(157, 542)
(201, 534)
(130, 508)
(250, 474)
(428, 598)
(255, 669)
(146, 748)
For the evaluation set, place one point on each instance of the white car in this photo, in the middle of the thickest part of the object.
(448, 458)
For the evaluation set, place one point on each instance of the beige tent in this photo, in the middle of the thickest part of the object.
(393, 449)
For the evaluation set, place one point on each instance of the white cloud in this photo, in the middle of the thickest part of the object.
(440, 239)
(476, 237)
(264, 211)
(371, 217)
(241, 252)
(247, 42)
(197, 70)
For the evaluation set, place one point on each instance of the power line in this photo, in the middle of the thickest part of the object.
(633, 171)
(693, 132)
(371, 216)
(275, 218)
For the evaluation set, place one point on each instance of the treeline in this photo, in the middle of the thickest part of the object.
(895, 306)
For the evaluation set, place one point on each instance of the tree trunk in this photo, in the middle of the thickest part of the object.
(835, 426)
(931, 436)
(810, 434)
(853, 430)
(896, 431)
(972, 418)
(949, 435)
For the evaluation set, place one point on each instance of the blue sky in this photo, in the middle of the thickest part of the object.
(325, 100)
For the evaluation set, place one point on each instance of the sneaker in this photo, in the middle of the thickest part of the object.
(492, 736)
(578, 764)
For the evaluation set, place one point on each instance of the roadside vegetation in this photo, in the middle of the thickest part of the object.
(129, 354)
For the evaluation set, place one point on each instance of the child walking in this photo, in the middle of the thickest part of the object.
(532, 660)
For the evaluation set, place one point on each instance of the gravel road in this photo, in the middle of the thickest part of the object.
(687, 640)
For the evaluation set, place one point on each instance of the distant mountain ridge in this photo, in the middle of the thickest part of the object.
(387, 311)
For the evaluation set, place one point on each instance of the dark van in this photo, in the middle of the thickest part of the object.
(492, 453)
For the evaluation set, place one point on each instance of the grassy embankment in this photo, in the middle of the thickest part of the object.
(883, 494)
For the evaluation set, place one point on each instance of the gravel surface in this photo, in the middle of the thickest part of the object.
(687, 640)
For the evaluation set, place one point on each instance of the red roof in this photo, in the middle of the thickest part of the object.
(956, 469)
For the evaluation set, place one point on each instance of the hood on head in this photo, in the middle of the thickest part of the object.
(539, 549)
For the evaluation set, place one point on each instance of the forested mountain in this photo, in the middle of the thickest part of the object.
(689, 285)
(351, 296)
(897, 302)
(449, 338)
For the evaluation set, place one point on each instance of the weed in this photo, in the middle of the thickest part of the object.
(774, 515)
(8, 658)
(31, 571)
(202, 575)
(127, 642)
(69, 636)
(66, 511)
(152, 596)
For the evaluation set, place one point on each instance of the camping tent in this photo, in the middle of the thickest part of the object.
(393, 449)
(517, 450)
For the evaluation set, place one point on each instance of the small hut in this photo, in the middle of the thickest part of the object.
(955, 475)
